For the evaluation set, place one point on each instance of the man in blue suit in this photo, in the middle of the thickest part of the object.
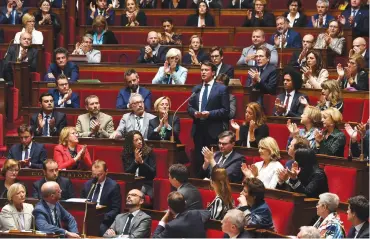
(357, 18)
(12, 12)
(132, 80)
(50, 215)
(209, 108)
(285, 36)
(63, 95)
(321, 19)
(30, 154)
(106, 192)
(101, 8)
(62, 66)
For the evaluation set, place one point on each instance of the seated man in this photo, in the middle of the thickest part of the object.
(226, 158)
(30, 154)
(63, 95)
(359, 46)
(358, 215)
(51, 173)
(138, 119)
(153, 53)
(298, 58)
(141, 222)
(86, 48)
(12, 12)
(47, 122)
(216, 55)
(100, 8)
(322, 18)
(233, 225)
(106, 192)
(95, 123)
(356, 17)
(181, 222)
(132, 80)
(62, 66)
(50, 216)
(178, 177)
(285, 36)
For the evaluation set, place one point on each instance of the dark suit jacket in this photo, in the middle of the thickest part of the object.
(245, 4)
(1, 36)
(5, 20)
(4, 190)
(362, 82)
(38, 154)
(227, 69)
(242, 234)
(147, 169)
(192, 196)
(316, 16)
(267, 21)
(60, 123)
(201, 56)
(108, 37)
(124, 94)
(31, 54)
(299, 22)
(293, 39)
(218, 105)
(71, 70)
(159, 58)
(154, 123)
(259, 133)
(361, 28)
(110, 19)
(188, 224)
(232, 165)
(192, 20)
(363, 233)
(75, 99)
(44, 221)
(294, 59)
(55, 21)
(140, 17)
(296, 108)
(64, 183)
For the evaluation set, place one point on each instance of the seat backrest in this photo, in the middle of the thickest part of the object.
(161, 189)
(341, 181)
(282, 212)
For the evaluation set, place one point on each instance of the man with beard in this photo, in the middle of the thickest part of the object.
(298, 58)
(132, 80)
(285, 37)
(134, 223)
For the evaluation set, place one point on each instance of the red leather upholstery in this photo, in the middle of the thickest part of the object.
(365, 113)
(161, 189)
(215, 38)
(185, 134)
(341, 181)
(280, 133)
(353, 109)
(161, 156)
(107, 98)
(207, 196)
(282, 212)
(211, 233)
(13, 109)
(116, 56)
(111, 155)
(103, 76)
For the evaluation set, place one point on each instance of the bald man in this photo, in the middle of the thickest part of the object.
(298, 58)
(153, 53)
(360, 47)
(134, 223)
(50, 215)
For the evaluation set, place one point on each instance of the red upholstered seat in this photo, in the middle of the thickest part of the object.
(353, 109)
(365, 113)
(154, 225)
(2, 146)
(71, 119)
(240, 108)
(127, 37)
(103, 76)
(50, 150)
(216, 38)
(177, 98)
(268, 103)
(280, 133)
(282, 212)
(231, 20)
(207, 196)
(231, 58)
(28, 182)
(211, 233)
(249, 160)
(125, 56)
(185, 134)
(107, 98)
(116, 119)
(13, 109)
(341, 181)
(161, 189)
(111, 155)
(161, 156)
(147, 77)
(243, 39)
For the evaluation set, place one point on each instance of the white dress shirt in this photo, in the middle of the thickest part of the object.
(290, 100)
(268, 175)
(101, 190)
(210, 84)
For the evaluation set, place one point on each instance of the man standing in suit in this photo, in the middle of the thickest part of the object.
(180, 222)
(321, 19)
(226, 158)
(358, 215)
(178, 176)
(62, 66)
(100, 8)
(138, 119)
(233, 225)
(134, 223)
(95, 123)
(12, 13)
(285, 37)
(288, 103)
(47, 122)
(106, 192)
(63, 95)
(50, 216)
(248, 57)
(132, 80)
(209, 109)
(298, 58)
(51, 173)
(216, 54)
(29, 154)
(360, 47)
(153, 53)
(357, 18)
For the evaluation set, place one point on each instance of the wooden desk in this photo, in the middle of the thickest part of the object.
(26, 235)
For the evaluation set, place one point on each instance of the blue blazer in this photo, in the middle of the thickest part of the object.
(64, 183)
(44, 221)
(316, 16)
(75, 99)
(60, 123)
(110, 19)
(71, 70)
(361, 27)
(5, 20)
(293, 40)
(124, 94)
(38, 154)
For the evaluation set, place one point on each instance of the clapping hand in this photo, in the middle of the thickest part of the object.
(342, 19)
(25, 162)
(303, 100)
(340, 71)
(255, 75)
(52, 123)
(307, 71)
(327, 39)
(148, 52)
(303, 54)
(95, 126)
(293, 128)
(19, 5)
(351, 20)
(259, 14)
(9, 7)
(252, 126)
(166, 67)
(40, 121)
(249, 171)
(234, 125)
(250, 57)
(351, 132)
(280, 108)
(282, 175)
(249, 14)
(293, 173)
(67, 96)
(138, 156)
(92, 8)
(242, 200)
(208, 154)
(318, 136)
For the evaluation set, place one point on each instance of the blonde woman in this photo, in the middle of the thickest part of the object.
(331, 96)
(101, 34)
(196, 53)
(267, 169)
(133, 16)
(28, 22)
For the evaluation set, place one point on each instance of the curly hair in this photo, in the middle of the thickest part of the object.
(128, 146)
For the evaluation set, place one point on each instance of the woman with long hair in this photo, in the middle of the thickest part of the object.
(45, 16)
(202, 17)
(101, 34)
(295, 15)
(168, 36)
(314, 73)
(134, 16)
(354, 76)
(331, 96)
(331, 39)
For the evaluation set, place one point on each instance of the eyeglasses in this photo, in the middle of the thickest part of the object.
(223, 144)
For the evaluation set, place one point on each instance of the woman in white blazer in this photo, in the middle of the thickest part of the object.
(171, 72)
(28, 22)
(17, 215)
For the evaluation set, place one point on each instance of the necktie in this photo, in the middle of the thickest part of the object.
(222, 161)
(204, 98)
(55, 217)
(14, 12)
(127, 227)
(92, 119)
(96, 193)
(170, 80)
(101, 12)
(287, 101)
(46, 126)
(25, 152)
(138, 125)
(353, 13)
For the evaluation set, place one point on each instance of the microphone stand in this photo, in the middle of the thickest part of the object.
(83, 235)
(281, 52)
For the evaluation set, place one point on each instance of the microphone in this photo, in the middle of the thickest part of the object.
(23, 213)
(94, 181)
(172, 139)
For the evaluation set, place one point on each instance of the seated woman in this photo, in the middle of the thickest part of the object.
(354, 76)
(305, 176)
(223, 200)
(86, 48)
(331, 96)
(12, 217)
(45, 16)
(295, 15)
(168, 36)
(10, 172)
(171, 72)
(160, 128)
(329, 223)
(174, 4)
(196, 53)
(259, 17)
(254, 128)
(28, 22)
(267, 169)
(331, 140)
(101, 34)
(69, 154)
(134, 16)
(139, 159)
(313, 73)
(202, 18)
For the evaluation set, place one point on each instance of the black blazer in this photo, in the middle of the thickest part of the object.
(267, 21)
(192, 20)
(14, 52)
(55, 22)
(159, 58)
(260, 133)
(296, 108)
(108, 37)
(227, 69)
(201, 56)
(153, 123)
(64, 183)
(60, 123)
(192, 196)
(147, 169)
(140, 17)
(363, 233)
(38, 154)
(362, 81)
(299, 22)
(1, 36)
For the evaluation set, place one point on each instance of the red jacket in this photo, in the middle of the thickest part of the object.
(65, 161)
